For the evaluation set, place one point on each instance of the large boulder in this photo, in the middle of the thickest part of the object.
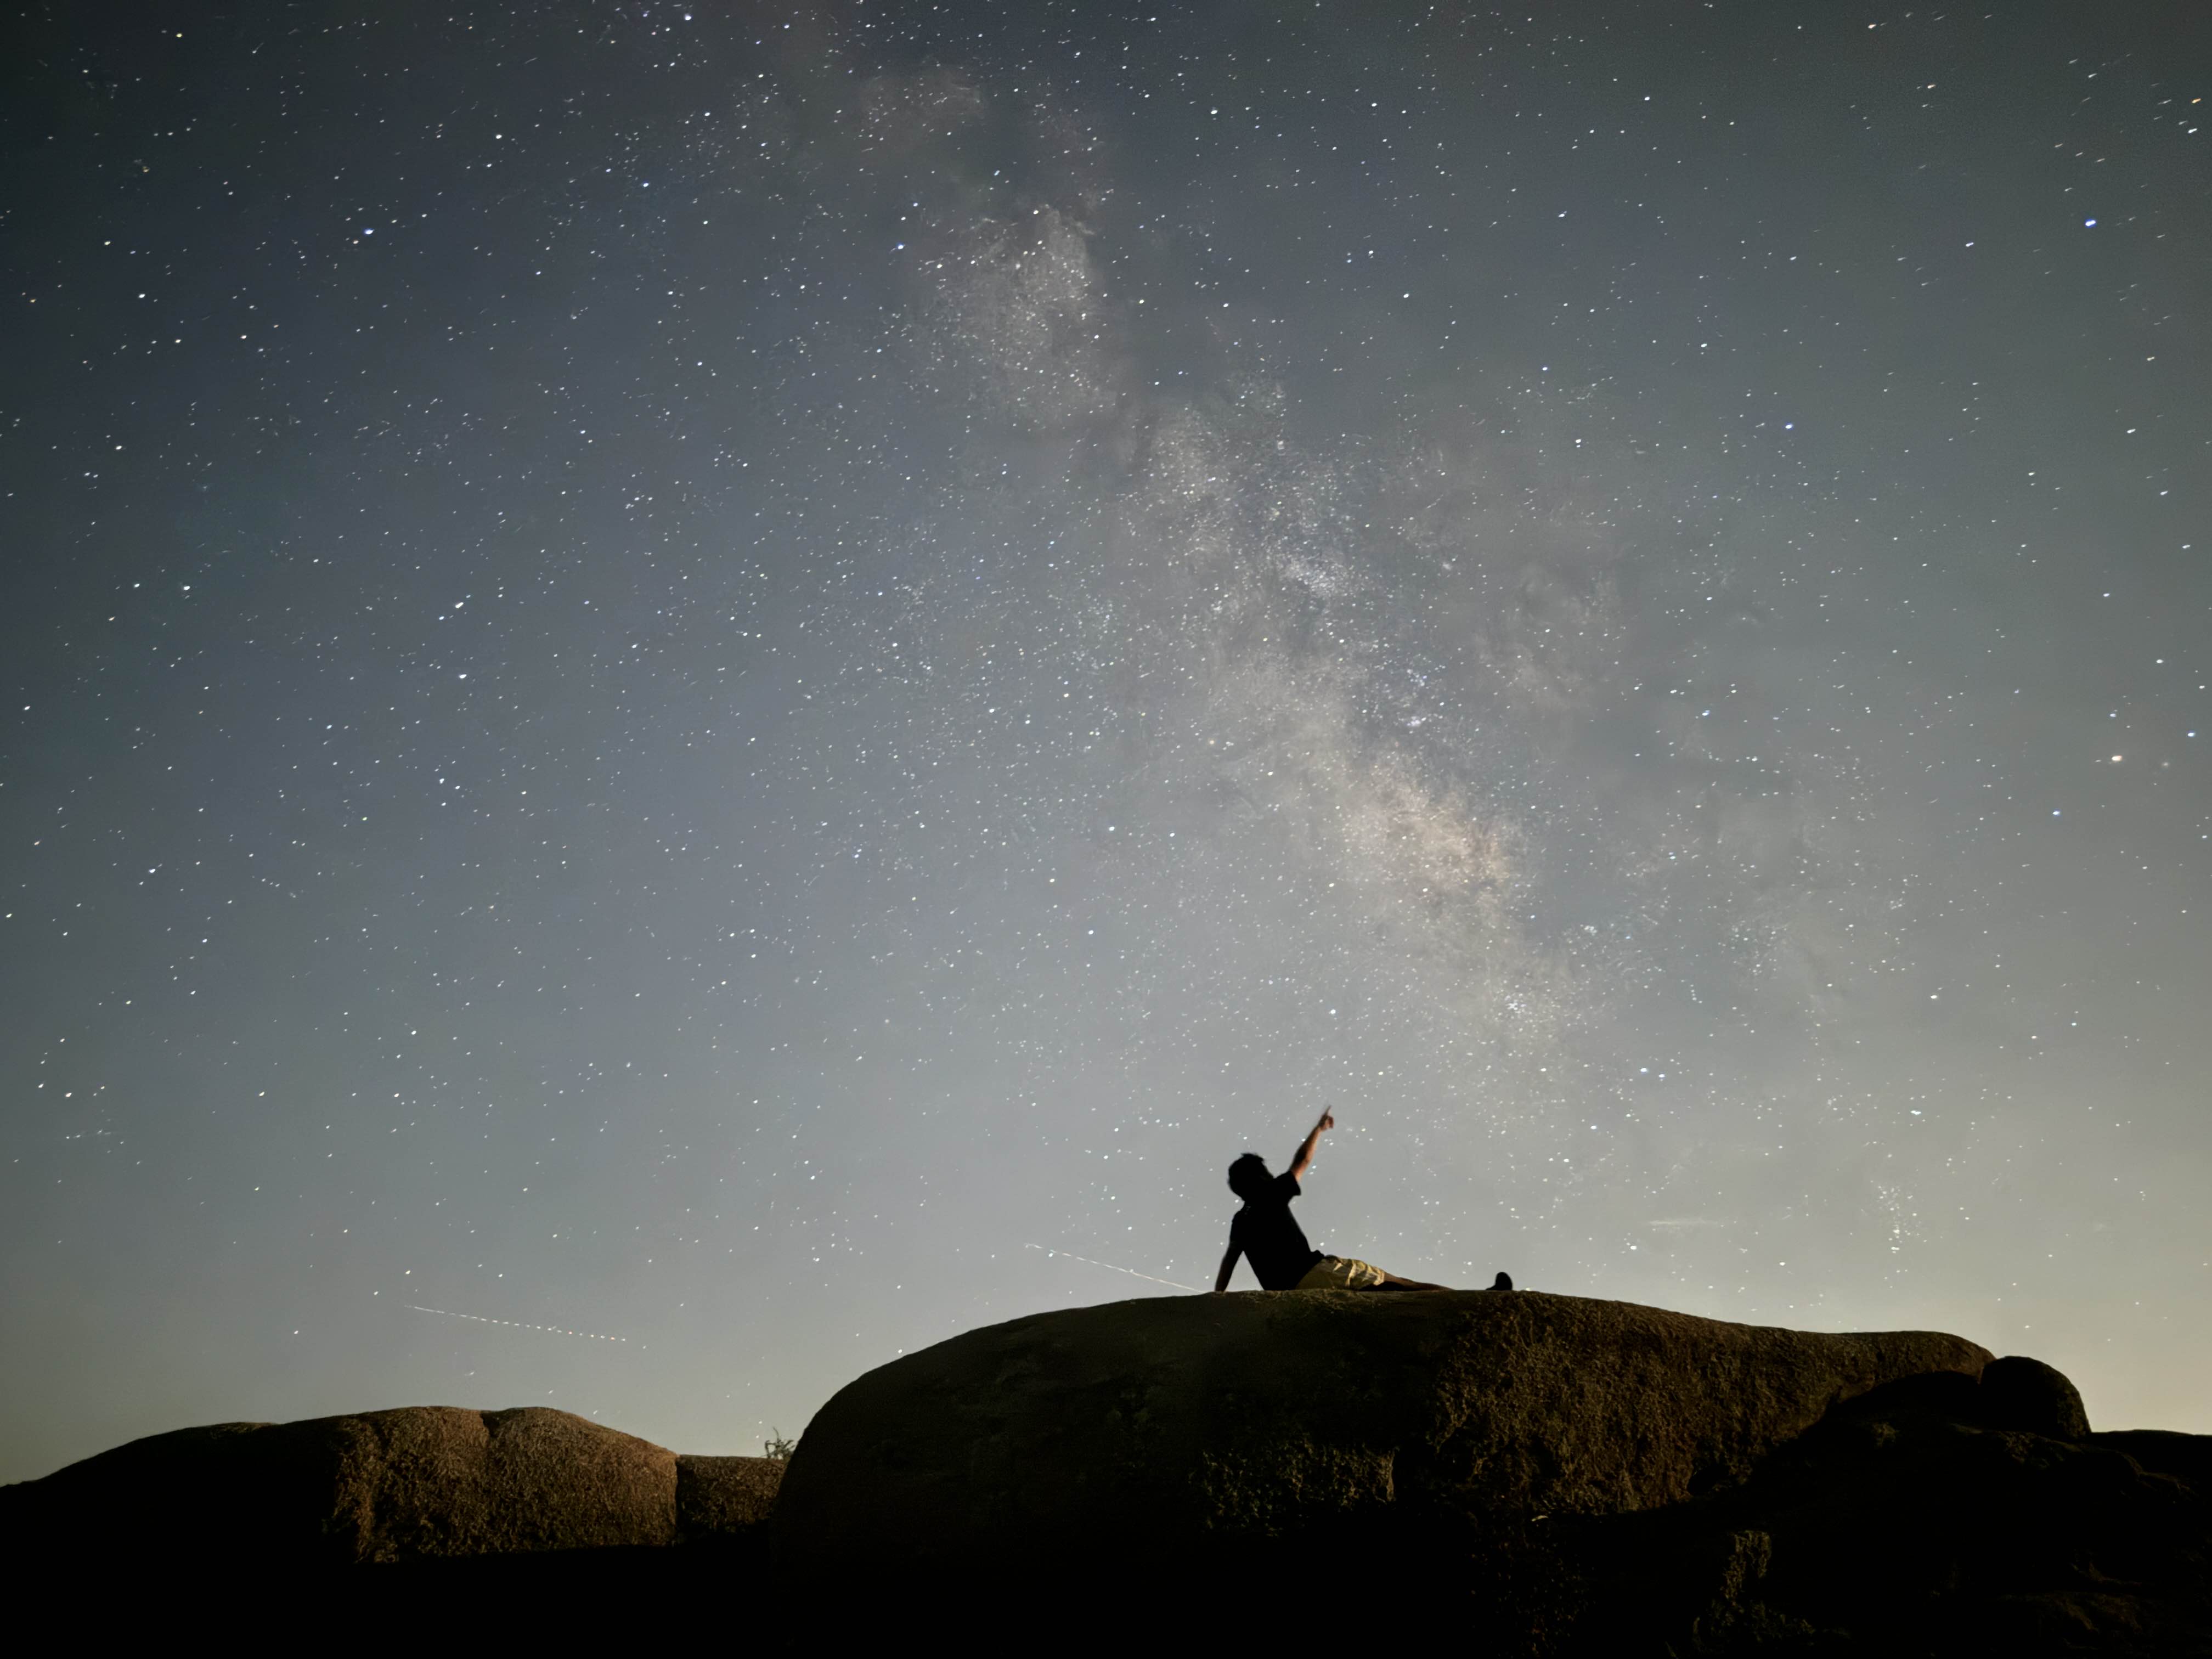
(1172, 1422)
(389, 1486)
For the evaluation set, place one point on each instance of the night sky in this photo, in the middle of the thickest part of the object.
(724, 690)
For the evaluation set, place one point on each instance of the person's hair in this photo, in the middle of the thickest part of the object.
(1248, 1176)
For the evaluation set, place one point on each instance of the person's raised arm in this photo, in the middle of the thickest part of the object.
(1304, 1154)
(1228, 1267)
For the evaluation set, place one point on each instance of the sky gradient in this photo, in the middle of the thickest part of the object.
(699, 693)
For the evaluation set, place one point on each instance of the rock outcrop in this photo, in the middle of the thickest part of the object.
(392, 1485)
(1211, 1420)
(1919, 1518)
(1538, 1475)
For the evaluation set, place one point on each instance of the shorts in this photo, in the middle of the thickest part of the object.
(1339, 1273)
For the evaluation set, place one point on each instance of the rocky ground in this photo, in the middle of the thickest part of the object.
(1521, 1474)
(1905, 1523)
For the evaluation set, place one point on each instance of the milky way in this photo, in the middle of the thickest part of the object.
(764, 678)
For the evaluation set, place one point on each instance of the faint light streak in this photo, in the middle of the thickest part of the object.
(1110, 1267)
(521, 1325)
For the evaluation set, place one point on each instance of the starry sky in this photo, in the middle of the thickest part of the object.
(697, 694)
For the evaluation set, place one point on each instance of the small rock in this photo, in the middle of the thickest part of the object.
(2019, 1393)
(722, 1497)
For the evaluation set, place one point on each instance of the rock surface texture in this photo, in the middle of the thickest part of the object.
(720, 1497)
(1916, 1519)
(1541, 1476)
(392, 1485)
(1187, 1421)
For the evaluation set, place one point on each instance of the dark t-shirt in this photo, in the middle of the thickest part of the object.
(1271, 1242)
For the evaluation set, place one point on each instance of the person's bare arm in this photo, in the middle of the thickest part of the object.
(1228, 1267)
(1304, 1154)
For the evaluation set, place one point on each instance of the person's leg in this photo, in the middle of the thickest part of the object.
(1392, 1282)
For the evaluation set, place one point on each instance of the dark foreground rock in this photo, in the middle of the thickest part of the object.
(1227, 1421)
(383, 1486)
(1532, 1475)
(1518, 1475)
(1910, 1520)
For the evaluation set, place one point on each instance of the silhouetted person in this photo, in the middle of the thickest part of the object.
(1265, 1234)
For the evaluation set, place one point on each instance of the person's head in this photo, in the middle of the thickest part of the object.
(1248, 1176)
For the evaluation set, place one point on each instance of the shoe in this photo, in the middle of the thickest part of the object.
(1502, 1282)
